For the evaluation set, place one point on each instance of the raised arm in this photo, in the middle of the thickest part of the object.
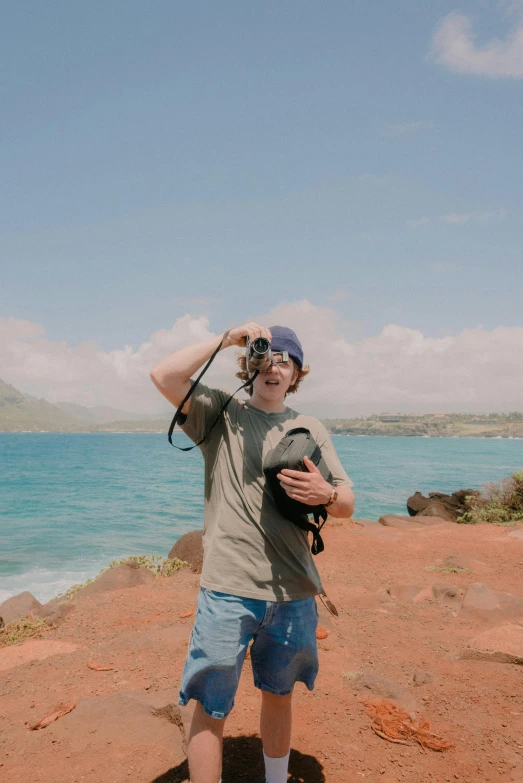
(172, 376)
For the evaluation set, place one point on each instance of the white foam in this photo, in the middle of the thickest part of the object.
(44, 583)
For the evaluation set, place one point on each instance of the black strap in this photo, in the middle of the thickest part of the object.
(317, 541)
(178, 415)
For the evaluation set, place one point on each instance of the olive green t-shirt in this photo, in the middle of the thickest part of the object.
(250, 549)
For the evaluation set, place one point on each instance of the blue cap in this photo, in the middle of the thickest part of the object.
(284, 339)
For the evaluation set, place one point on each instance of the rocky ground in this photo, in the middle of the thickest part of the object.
(446, 644)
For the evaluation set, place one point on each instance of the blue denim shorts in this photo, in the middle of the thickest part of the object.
(283, 652)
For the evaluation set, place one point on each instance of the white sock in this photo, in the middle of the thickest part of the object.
(276, 769)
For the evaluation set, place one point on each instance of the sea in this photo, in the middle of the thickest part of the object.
(72, 502)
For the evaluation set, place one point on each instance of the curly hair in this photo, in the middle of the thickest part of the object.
(243, 375)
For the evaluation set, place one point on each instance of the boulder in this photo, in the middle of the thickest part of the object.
(503, 644)
(448, 595)
(115, 728)
(118, 577)
(455, 505)
(435, 508)
(190, 548)
(18, 606)
(395, 520)
(55, 611)
(402, 593)
(482, 602)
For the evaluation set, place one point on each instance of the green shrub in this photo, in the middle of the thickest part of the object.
(26, 628)
(450, 568)
(160, 566)
(500, 503)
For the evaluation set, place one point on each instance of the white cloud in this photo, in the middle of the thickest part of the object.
(418, 223)
(88, 375)
(397, 369)
(480, 217)
(454, 46)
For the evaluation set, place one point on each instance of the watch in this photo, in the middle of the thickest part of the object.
(333, 498)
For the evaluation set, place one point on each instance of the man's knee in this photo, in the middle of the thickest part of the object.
(201, 721)
(271, 699)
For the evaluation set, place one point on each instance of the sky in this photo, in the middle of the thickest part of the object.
(172, 169)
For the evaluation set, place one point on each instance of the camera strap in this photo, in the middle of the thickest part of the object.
(180, 417)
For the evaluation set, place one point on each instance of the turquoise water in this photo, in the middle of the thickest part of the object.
(69, 503)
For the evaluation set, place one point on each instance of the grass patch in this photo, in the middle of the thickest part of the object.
(448, 569)
(160, 566)
(29, 627)
(500, 503)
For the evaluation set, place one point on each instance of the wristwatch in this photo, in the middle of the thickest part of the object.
(333, 498)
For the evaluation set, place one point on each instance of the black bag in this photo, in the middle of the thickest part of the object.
(289, 453)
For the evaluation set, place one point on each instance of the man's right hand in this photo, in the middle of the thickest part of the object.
(239, 334)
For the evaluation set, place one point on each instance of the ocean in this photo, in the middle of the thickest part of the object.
(70, 503)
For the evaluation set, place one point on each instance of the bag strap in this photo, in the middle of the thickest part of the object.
(178, 415)
(317, 541)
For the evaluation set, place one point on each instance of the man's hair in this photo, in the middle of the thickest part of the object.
(243, 375)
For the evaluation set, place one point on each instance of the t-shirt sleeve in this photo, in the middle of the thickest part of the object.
(330, 456)
(203, 410)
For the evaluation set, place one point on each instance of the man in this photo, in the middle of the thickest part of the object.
(259, 580)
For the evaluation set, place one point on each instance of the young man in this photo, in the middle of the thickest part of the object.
(259, 580)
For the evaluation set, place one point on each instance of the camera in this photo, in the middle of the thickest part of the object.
(259, 356)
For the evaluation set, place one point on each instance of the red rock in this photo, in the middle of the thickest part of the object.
(190, 549)
(18, 606)
(503, 644)
(321, 632)
(395, 520)
(33, 650)
(118, 577)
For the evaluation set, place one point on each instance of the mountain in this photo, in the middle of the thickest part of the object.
(18, 412)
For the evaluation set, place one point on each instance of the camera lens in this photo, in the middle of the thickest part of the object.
(261, 345)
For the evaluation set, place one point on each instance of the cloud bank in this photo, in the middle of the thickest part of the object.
(399, 369)
(454, 46)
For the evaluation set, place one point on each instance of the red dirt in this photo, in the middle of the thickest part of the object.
(398, 642)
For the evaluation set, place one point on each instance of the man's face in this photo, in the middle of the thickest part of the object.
(272, 383)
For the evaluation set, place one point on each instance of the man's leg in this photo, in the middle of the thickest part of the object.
(205, 747)
(275, 730)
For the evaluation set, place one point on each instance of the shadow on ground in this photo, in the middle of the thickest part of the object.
(243, 758)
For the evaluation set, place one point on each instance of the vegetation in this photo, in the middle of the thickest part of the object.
(26, 628)
(448, 569)
(160, 566)
(500, 503)
(23, 413)
(435, 425)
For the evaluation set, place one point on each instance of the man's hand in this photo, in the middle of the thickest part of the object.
(310, 488)
(238, 335)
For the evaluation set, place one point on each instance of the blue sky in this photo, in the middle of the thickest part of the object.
(219, 158)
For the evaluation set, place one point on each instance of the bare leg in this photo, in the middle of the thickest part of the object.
(205, 747)
(275, 724)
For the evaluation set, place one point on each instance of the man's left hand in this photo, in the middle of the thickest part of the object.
(310, 488)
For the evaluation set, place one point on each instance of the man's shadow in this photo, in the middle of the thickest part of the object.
(243, 758)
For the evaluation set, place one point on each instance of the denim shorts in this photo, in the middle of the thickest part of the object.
(283, 652)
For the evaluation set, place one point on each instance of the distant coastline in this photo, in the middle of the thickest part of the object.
(23, 413)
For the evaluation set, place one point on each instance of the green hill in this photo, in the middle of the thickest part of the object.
(18, 413)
